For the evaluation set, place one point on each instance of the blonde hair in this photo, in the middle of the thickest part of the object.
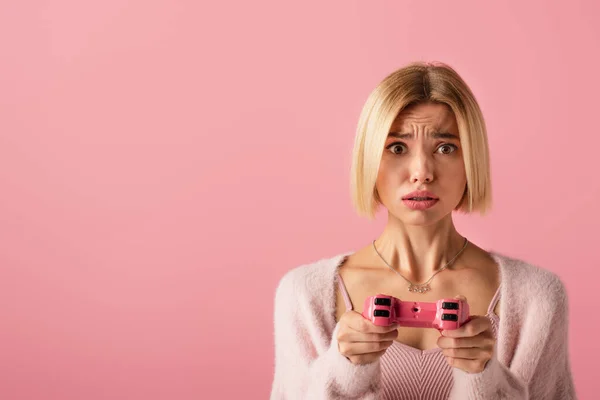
(420, 82)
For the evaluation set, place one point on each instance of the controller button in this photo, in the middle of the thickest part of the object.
(446, 305)
(383, 301)
(449, 317)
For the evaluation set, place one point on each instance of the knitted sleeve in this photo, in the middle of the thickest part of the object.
(540, 367)
(308, 364)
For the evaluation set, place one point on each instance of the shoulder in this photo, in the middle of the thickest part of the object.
(309, 279)
(530, 282)
(305, 295)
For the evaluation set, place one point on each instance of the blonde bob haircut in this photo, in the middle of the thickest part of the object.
(420, 82)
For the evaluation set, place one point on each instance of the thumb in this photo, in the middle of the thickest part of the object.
(460, 297)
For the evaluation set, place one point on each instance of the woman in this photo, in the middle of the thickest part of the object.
(421, 152)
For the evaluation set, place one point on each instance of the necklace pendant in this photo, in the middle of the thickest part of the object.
(419, 288)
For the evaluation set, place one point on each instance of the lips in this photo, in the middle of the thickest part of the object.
(421, 205)
(420, 195)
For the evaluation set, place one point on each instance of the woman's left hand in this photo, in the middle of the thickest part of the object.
(469, 347)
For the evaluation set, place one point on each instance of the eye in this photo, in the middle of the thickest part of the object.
(396, 146)
(447, 148)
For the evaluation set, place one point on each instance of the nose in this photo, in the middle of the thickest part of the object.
(421, 169)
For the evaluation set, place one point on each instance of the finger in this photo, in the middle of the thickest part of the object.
(475, 326)
(353, 349)
(356, 336)
(366, 358)
(470, 366)
(472, 353)
(361, 324)
(460, 297)
(483, 340)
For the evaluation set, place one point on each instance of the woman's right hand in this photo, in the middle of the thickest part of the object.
(361, 341)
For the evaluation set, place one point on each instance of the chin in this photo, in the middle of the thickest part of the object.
(420, 219)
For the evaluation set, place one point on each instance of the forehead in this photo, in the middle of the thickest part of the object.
(436, 115)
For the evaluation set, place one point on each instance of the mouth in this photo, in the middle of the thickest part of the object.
(420, 195)
(419, 198)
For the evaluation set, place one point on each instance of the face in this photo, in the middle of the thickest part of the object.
(422, 152)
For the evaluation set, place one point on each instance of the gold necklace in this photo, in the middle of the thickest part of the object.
(422, 287)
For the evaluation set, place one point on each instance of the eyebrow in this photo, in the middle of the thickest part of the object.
(435, 135)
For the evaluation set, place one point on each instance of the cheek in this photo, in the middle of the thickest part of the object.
(391, 174)
(454, 171)
(452, 166)
(453, 179)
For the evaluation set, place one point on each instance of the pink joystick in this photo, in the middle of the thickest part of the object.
(444, 314)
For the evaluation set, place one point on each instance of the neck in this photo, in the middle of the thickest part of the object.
(418, 251)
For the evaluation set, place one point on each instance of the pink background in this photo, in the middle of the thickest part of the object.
(164, 163)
